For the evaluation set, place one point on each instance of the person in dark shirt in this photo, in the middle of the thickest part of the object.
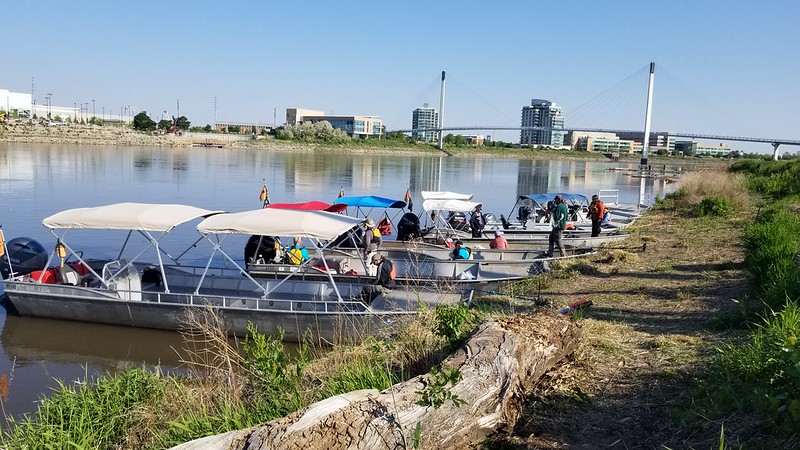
(384, 279)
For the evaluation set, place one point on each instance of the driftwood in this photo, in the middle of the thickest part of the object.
(498, 364)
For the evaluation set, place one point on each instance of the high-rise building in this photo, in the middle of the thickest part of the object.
(425, 117)
(542, 113)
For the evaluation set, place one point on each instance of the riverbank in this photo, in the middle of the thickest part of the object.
(123, 136)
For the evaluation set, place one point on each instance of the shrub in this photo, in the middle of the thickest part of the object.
(714, 206)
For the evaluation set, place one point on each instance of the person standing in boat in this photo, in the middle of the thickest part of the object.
(372, 243)
(558, 220)
(597, 211)
(499, 242)
(478, 222)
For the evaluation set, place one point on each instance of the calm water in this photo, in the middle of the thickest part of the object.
(39, 180)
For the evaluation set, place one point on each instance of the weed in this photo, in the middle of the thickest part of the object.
(436, 391)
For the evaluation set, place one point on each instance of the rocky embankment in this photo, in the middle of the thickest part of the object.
(81, 134)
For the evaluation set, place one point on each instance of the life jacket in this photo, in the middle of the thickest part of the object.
(376, 236)
(457, 253)
(385, 226)
(393, 271)
(294, 256)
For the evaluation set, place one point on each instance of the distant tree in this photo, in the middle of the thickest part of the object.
(396, 136)
(143, 122)
(207, 128)
(164, 124)
(460, 141)
(234, 129)
(450, 138)
(182, 123)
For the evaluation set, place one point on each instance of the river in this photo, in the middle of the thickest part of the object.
(38, 180)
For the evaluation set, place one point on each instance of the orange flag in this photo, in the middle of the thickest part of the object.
(407, 199)
(341, 192)
(2, 244)
(264, 196)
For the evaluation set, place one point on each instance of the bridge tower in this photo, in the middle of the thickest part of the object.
(648, 115)
(441, 114)
(775, 146)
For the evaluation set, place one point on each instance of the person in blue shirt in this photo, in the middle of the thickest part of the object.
(297, 254)
(461, 252)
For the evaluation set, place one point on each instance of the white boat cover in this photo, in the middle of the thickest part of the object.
(448, 205)
(445, 195)
(280, 222)
(127, 216)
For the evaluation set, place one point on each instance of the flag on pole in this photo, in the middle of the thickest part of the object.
(407, 199)
(2, 243)
(341, 192)
(264, 196)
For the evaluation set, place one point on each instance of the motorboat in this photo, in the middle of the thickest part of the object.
(416, 262)
(129, 291)
(530, 231)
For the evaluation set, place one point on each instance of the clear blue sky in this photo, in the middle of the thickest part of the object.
(726, 67)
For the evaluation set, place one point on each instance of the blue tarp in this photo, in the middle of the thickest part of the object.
(542, 199)
(370, 201)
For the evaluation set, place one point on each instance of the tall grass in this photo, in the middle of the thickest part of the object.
(229, 385)
(708, 193)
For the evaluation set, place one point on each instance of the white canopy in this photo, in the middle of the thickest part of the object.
(127, 216)
(280, 222)
(445, 195)
(448, 205)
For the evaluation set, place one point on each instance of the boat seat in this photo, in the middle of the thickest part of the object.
(69, 275)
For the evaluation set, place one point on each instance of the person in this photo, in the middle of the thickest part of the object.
(558, 221)
(499, 242)
(460, 251)
(597, 212)
(297, 254)
(477, 222)
(384, 279)
(372, 243)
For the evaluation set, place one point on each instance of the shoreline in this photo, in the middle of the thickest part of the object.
(109, 136)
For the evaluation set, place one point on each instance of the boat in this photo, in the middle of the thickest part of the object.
(416, 263)
(529, 233)
(133, 292)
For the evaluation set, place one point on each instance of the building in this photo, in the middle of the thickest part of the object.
(546, 114)
(244, 128)
(354, 126)
(699, 149)
(16, 104)
(422, 118)
(585, 141)
(658, 141)
(475, 139)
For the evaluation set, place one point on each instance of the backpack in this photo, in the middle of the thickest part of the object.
(294, 256)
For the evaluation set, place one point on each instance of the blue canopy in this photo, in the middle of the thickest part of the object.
(370, 201)
(542, 199)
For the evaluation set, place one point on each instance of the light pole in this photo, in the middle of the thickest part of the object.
(93, 109)
(49, 102)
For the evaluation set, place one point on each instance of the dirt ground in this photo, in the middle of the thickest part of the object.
(647, 334)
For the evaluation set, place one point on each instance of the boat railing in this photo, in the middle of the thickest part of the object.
(609, 196)
(252, 303)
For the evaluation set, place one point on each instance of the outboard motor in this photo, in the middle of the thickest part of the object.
(458, 221)
(260, 249)
(26, 255)
(408, 227)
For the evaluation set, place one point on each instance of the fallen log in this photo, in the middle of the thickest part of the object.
(498, 365)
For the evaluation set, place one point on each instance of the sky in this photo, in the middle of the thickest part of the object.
(723, 67)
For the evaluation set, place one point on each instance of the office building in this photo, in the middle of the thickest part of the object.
(545, 114)
(353, 126)
(423, 118)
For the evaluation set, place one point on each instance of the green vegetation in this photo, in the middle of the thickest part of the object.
(228, 388)
(759, 376)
